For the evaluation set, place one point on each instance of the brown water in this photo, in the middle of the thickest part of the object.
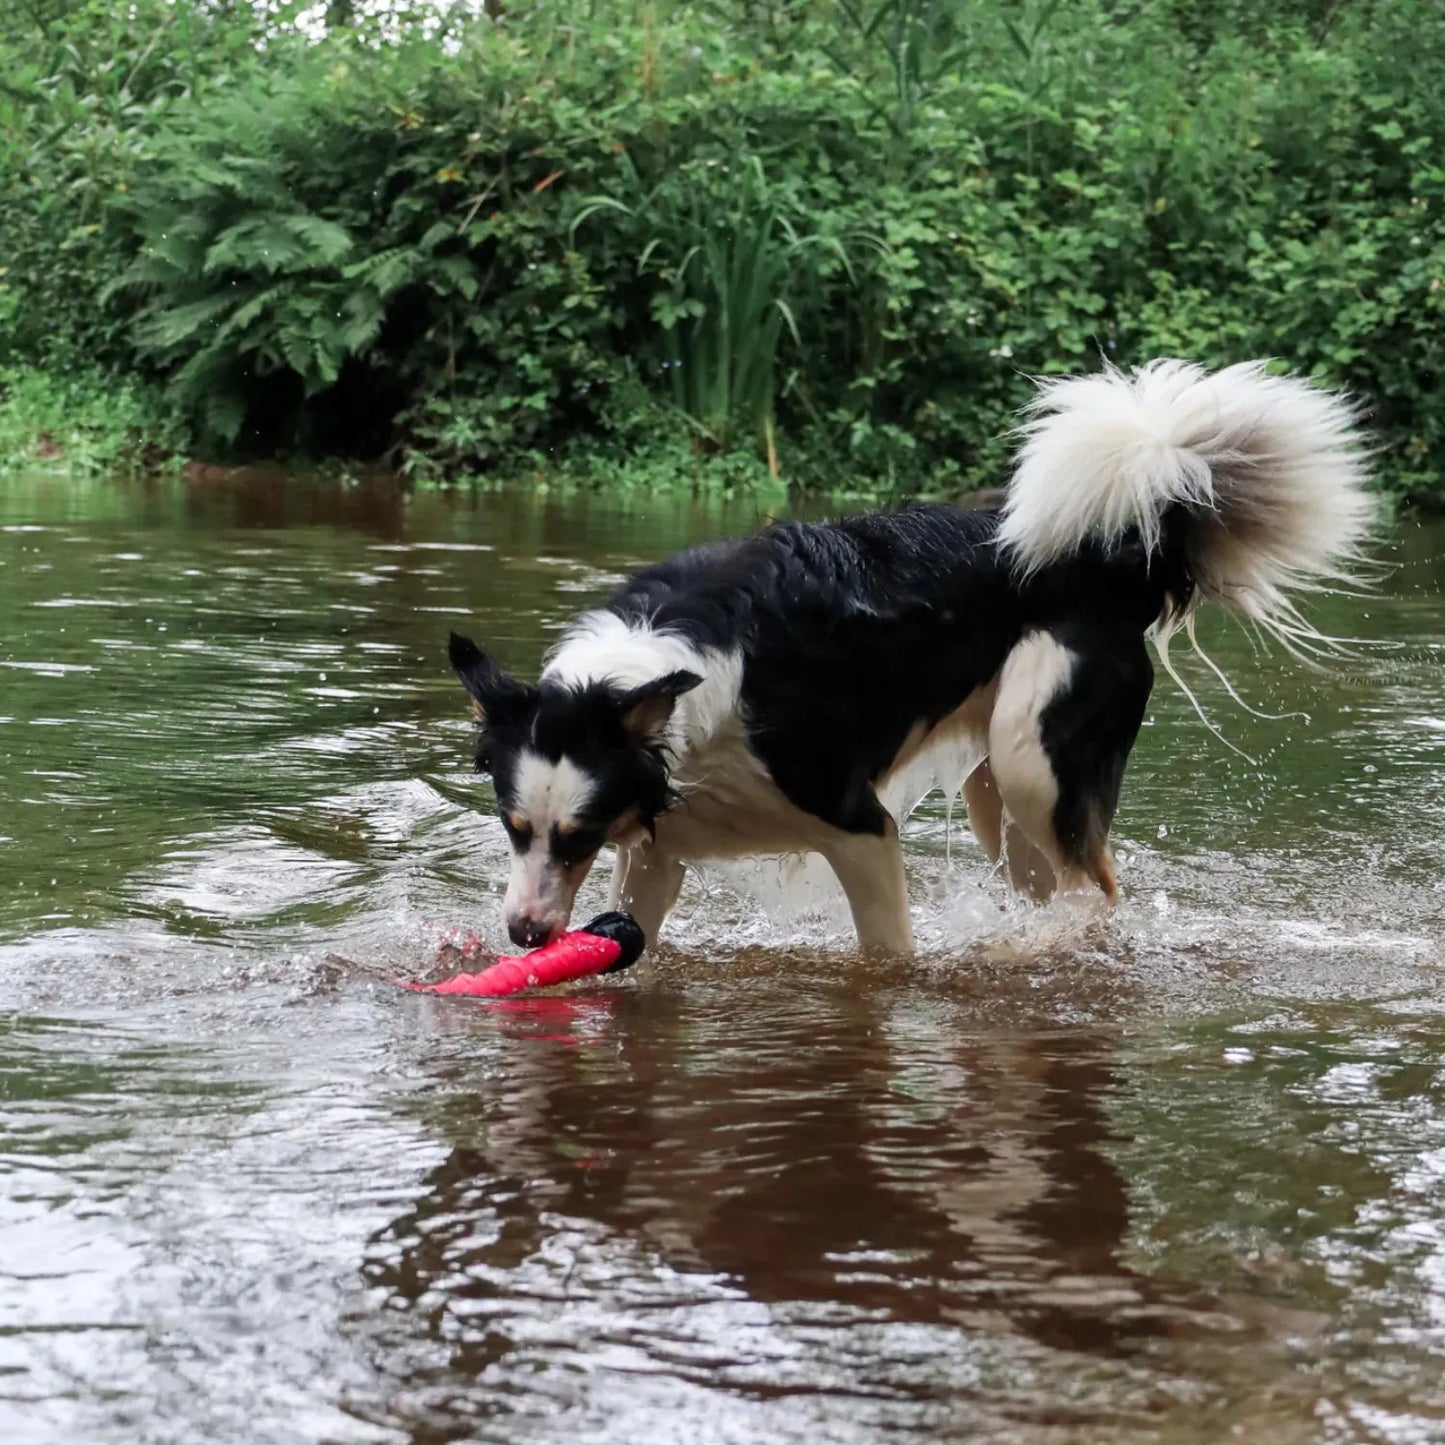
(1177, 1177)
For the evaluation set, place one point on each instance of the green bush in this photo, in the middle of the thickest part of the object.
(834, 235)
(85, 423)
(86, 87)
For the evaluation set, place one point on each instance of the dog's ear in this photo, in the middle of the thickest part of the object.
(646, 710)
(492, 691)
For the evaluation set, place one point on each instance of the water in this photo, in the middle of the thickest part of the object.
(1175, 1177)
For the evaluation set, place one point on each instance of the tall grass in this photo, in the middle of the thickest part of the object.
(730, 266)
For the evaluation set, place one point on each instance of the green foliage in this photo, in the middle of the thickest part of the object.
(830, 238)
(86, 84)
(384, 243)
(82, 423)
(728, 261)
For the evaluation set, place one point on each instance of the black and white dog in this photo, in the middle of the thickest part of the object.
(802, 689)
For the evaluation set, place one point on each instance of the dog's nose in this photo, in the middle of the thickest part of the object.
(528, 932)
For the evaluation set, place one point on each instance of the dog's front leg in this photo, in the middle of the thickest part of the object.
(645, 883)
(870, 868)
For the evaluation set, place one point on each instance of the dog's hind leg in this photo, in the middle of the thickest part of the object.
(645, 883)
(985, 810)
(870, 868)
(1029, 871)
(1070, 702)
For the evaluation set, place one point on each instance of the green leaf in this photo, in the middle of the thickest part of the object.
(224, 414)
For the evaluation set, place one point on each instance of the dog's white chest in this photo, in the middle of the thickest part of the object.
(730, 807)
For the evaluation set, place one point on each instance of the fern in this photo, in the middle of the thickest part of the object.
(224, 414)
(362, 316)
(218, 399)
(435, 234)
(459, 271)
(278, 244)
(286, 228)
(300, 354)
(329, 243)
(388, 271)
(250, 310)
(177, 250)
(163, 330)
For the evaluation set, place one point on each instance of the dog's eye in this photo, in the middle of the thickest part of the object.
(519, 830)
(571, 846)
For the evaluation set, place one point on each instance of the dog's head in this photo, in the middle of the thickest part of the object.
(574, 767)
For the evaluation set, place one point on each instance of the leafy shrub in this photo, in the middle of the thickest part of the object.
(85, 423)
(834, 236)
(86, 86)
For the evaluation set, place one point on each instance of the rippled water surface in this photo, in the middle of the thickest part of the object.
(1174, 1176)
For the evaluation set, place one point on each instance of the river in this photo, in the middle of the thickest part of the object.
(1175, 1176)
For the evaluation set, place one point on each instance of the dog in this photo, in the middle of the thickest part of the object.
(802, 689)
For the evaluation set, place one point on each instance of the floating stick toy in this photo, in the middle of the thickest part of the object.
(610, 943)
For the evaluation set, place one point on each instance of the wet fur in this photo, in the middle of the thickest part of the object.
(801, 689)
(828, 653)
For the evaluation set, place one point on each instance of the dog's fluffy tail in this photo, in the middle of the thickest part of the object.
(1270, 470)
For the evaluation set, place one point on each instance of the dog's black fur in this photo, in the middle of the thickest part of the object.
(852, 633)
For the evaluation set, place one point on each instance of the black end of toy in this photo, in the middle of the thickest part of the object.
(624, 930)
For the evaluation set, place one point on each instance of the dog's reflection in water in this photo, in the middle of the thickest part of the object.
(632, 1154)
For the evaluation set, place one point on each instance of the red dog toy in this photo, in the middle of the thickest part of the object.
(610, 943)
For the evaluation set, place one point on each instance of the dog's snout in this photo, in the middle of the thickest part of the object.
(529, 932)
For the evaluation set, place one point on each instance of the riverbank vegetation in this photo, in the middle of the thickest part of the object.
(823, 240)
